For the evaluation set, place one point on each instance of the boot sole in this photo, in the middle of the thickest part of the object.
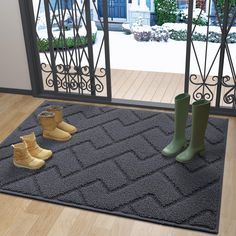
(200, 153)
(56, 139)
(26, 167)
(68, 131)
(73, 132)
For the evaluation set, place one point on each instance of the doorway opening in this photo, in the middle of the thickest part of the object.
(76, 57)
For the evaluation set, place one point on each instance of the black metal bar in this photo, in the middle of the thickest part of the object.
(51, 47)
(213, 62)
(90, 46)
(198, 62)
(188, 46)
(29, 30)
(76, 48)
(207, 40)
(76, 24)
(65, 48)
(231, 64)
(222, 52)
(107, 50)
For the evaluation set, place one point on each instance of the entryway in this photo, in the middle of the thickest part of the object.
(71, 66)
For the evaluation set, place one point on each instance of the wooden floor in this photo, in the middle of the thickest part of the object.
(146, 86)
(20, 216)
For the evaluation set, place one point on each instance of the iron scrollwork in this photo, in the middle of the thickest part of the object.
(230, 95)
(73, 78)
(203, 90)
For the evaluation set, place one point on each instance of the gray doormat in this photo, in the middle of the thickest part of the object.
(113, 164)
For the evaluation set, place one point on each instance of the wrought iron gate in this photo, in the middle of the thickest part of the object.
(217, 53)
(72, 55)
(69, 65)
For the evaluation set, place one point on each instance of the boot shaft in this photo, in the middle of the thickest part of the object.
(47, 120)
(61, 124)
(20, 152)
(30, 141)
(58, 111)
(50, 127)
(181, 114)
(200, 115)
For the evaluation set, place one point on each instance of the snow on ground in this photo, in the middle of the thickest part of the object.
(127, 53)
(198, 28)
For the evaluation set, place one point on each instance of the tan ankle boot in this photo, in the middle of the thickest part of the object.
(50, 131)
(23, 159)
(34, 149)
(61, 124)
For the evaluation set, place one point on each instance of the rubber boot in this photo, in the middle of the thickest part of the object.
(179, 141)
(23, 159)
(34, 149)
(49, 126)
(200, 115)
(61, 124)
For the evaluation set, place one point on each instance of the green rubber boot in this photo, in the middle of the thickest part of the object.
(200, 115)
(178, 142)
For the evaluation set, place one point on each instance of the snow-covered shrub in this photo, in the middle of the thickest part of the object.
(199, 16)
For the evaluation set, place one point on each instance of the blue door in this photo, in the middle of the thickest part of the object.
(116, 8)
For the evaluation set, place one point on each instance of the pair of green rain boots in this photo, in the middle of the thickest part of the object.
(179, 146)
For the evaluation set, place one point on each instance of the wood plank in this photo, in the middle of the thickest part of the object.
(179, 88)
(151, 90)
(47, 213)
(126, 85)
(135, 85)
(170, 89)
(116, 75)
(64, 222)
(143, 86)
(127, 76)
(161, 89)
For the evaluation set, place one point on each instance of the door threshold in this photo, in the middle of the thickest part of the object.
(223, 111)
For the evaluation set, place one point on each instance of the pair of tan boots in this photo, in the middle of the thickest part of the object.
(29, 154)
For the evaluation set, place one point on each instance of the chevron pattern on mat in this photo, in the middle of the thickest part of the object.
(113, 164)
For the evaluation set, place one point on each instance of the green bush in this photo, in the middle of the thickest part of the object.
(221, 3)
(181, 35)
(70, 42)
(199, 17)
(220, 6)
(166, 11)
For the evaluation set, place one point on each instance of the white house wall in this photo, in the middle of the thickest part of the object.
(13, 59)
